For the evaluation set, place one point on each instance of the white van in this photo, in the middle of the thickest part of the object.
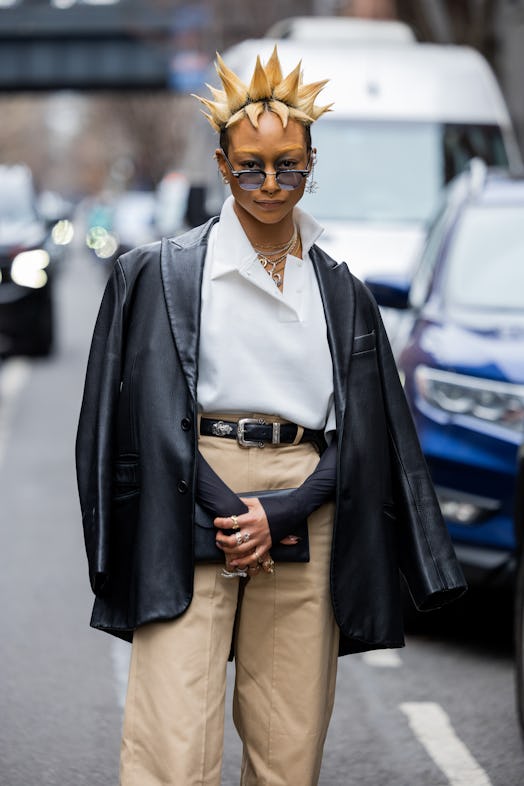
(345, 29)
(405, 120)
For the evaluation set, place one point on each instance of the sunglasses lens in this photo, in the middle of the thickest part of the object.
(289, 180)
(250, 181)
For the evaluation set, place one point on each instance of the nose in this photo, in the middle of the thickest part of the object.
(270, 184)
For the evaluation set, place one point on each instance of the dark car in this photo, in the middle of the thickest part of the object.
(460, 349)
(28, 257)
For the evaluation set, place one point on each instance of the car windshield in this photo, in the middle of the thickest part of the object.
(392, 172)
(485, 267)
(15, 205)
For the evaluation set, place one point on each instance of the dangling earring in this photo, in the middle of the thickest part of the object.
(312, 185)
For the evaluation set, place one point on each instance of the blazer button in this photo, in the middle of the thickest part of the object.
(182, 486)
(186, 424)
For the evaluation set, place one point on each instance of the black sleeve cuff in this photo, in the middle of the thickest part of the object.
(282, 515)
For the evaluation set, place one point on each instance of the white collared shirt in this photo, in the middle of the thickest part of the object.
(263, 350)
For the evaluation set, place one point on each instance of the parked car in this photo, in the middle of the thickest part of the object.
(519, 589)
(463, 362)
(30, 250)
(406, 119)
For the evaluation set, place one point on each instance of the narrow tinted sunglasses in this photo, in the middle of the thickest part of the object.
(251, 179)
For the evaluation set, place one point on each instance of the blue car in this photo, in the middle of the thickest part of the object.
(460, 350)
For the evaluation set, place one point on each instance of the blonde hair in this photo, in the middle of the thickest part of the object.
(268, 90)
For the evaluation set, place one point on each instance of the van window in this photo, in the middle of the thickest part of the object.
(392, 171)
(463, 142)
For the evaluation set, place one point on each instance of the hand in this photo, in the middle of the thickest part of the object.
(254, 526)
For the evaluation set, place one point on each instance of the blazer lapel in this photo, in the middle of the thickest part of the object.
(338, 296)
(182, 265)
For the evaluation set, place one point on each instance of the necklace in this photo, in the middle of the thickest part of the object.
(270, 265)
(270, 250)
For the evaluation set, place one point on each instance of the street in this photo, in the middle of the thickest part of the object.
(439, 712)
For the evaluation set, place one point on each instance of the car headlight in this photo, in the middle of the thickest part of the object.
(28, 268)
(62, 232)
(460, 507)
(458, 394)
(102, 242)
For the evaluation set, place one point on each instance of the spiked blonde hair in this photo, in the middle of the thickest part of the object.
(268, 90)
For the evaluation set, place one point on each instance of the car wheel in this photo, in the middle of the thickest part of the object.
(519, 642)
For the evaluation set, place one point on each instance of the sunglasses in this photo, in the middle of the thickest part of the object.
(252, 179)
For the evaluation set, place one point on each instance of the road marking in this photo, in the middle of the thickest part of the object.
(382, 659)
(432, 727)
(13, 376)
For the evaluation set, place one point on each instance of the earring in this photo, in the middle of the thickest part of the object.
(225, 179)
(312, 185)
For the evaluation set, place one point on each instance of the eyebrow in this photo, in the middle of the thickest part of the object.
(242, 151)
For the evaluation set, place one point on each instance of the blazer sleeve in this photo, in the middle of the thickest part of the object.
(95, 435)
(426, 556)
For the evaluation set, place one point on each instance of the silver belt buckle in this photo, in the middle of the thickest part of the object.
(248, 443)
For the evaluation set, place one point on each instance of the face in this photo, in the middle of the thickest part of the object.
(269, 147)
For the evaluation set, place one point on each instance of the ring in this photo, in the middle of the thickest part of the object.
(234, 519)
(269, 565)
(238, 536)
(245, 535)
(258, 558)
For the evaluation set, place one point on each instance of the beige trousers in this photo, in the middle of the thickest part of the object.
(286, 645)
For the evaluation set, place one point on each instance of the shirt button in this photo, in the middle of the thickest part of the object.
(186, 424)
(182, 486)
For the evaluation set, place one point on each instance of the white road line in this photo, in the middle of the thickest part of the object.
(432, 727)
(13, 376)
(120, 655)
(382, 659)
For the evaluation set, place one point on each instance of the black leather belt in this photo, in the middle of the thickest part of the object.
(256, 432)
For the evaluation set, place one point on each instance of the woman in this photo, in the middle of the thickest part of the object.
(225, 362)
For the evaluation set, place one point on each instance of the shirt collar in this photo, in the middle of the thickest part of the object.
(233, 251)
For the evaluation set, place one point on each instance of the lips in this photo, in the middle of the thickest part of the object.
(269, 203)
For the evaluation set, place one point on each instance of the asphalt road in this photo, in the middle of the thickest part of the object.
(439, 712)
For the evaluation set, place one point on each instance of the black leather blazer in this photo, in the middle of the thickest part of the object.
(137, 443)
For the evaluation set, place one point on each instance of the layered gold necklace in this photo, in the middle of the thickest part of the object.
(273, 260)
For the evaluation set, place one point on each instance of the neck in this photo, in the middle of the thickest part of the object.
(260, 234)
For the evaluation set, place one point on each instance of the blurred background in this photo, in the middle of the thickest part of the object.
(94, 93)
(102, 149)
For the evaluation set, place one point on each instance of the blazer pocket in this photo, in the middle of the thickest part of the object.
(126, 477)
(364, 343)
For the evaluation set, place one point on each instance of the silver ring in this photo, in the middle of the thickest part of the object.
(238, 536)
(246, 535)
(268, 564)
